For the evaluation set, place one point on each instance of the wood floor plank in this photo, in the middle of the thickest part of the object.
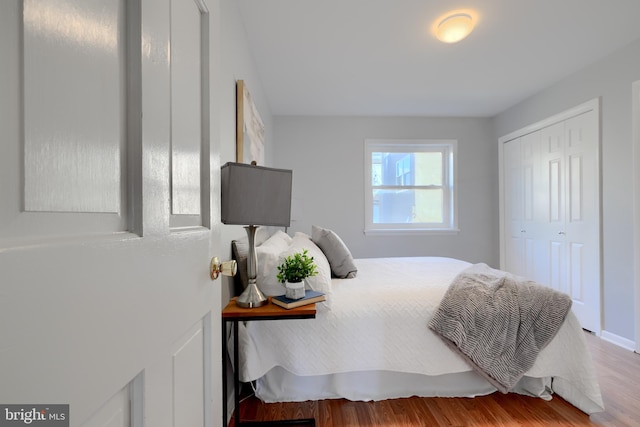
(618, 373)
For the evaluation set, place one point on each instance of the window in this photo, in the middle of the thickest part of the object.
(409, 186)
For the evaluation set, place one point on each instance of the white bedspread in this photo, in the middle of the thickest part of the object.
(378, 322)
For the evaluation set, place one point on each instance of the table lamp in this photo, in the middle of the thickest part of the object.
(253, 196)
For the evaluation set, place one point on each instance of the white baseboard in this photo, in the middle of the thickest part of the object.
(625, 343)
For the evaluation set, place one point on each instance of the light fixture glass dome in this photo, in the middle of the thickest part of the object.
(454, 27)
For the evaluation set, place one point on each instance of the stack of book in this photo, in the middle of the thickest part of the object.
(310, 297)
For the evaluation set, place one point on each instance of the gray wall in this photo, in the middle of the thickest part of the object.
(327, 157)
(610, 79)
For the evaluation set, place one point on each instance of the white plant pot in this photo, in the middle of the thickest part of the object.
(294, 290)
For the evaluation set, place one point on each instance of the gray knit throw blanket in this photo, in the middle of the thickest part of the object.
(499, 322)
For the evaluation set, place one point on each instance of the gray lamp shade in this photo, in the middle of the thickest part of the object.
(255, 195)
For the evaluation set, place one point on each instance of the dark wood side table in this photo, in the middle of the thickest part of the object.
(235, 314)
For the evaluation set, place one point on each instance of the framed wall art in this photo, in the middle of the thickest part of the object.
(249, 128)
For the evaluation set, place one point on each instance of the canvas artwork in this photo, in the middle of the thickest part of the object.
(249, 129)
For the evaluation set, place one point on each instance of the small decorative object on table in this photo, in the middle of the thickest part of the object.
(292, 272)
(310, 297)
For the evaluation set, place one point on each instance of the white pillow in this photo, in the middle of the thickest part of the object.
(278, 239)
(321, 282)
(268, 255)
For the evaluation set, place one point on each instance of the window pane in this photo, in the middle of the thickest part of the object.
(406, 168)
(428, 168)
(376, 168)
(407, 206)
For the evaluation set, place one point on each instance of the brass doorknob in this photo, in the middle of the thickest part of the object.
(227, 268)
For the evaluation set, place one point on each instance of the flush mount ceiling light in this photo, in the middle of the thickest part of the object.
(454, 27)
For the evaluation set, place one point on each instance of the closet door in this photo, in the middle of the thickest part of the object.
(569, 238)
(551, 208)
(531, 227)
(521, 169)
(582, 218)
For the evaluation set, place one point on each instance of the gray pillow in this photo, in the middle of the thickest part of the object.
(336, 251)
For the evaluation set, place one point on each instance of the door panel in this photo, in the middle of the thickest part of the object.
(91, 304)
(187, 119)
(528, 171)
(188, 375)
(555, 190)
(114, 413)
(73, 155)
(552, 175)
(550, 217)
(514, 241)
(45, 152)
(576, 267)
(556, 265)
(529, 257)
(576, 196)
(582, 226)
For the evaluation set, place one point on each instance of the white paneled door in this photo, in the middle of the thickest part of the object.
(582, 223)
(107, 194)
(551, 205)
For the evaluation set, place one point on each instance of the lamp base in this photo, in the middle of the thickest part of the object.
(251, 297)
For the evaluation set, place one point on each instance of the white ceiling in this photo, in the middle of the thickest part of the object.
(379, 57)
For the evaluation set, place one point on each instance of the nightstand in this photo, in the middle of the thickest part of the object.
(235, 314)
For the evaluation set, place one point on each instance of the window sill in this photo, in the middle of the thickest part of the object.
(411, 232)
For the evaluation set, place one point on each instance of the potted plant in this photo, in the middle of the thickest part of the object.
(292, 272)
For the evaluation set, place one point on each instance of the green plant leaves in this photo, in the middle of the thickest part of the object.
(296, 267)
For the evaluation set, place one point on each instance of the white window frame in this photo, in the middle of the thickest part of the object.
(449, 148)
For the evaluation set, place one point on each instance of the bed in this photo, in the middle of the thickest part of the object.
(370, 339)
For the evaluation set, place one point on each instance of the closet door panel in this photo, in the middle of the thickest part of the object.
(550, 209)
(529, 158)
(576, 195)
(514, 242)
(530, 259)
(556, 263)
(576, 267)
(554, 201)
(582, 225)
(552, 174)
(530, 169)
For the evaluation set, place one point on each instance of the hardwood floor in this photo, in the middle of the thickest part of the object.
(618, 372)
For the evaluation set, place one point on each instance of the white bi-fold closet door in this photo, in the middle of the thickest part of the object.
(550, 224)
